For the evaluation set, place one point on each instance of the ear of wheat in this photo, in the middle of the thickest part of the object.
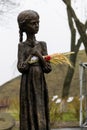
(56, 58)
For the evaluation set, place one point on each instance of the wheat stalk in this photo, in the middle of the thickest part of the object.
(56, 58)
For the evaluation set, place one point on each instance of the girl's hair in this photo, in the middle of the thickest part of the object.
(22, 18)
(20, 35)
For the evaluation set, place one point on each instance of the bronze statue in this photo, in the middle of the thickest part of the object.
(34, 110)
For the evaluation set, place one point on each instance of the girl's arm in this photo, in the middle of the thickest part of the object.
(46, 67)
(22, 64)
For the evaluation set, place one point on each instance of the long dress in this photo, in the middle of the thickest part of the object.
(34, 109)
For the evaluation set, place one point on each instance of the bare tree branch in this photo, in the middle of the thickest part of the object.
(79, 24)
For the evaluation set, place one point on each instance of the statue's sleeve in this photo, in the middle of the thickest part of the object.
(47, 67)
(22, 65)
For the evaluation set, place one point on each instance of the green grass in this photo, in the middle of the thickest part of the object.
(68, 116)
(69, 113)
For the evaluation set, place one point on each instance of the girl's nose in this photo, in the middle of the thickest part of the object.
(37, 24)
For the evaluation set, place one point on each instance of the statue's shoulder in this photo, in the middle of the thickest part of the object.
(21, 44)
(43, 44)
(44, 47)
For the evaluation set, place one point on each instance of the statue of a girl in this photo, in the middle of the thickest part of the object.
(34, 110)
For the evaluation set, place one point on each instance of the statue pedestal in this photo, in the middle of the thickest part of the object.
(6, 121)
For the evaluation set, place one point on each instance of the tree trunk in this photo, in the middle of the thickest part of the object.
(75, 48)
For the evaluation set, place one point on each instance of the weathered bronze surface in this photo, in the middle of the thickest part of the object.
(34, 109)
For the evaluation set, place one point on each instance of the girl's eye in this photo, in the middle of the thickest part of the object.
(35, 23)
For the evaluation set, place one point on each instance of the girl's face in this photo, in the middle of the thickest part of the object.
(32, 26)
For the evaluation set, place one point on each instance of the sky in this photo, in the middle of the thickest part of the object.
(54, 30)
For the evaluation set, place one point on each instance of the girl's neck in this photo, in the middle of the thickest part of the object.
(31, 37)
(31, 40)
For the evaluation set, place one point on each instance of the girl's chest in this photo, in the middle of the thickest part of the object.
(28, 49)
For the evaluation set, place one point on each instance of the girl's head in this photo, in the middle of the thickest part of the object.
(28, 22)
